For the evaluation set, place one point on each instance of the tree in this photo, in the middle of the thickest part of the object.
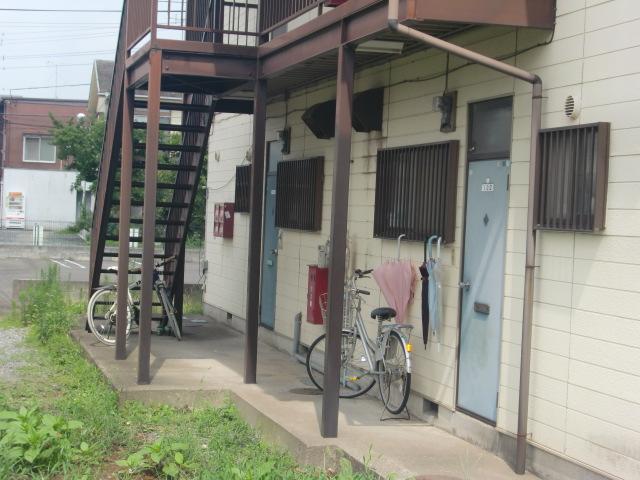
(81, 140)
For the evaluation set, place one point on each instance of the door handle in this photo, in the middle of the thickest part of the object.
(465, 286)
(274, 252)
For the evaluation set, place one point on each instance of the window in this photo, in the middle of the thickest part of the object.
(243, 188)
(38, 149)
(572, 179)
(416, 191)
(299, 194)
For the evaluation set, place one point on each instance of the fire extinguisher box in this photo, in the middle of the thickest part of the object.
(223, 220)
(317, 285)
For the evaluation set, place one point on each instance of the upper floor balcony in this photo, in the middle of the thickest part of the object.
(299, 37)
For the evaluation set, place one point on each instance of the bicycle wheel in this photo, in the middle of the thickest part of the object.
(355, 375)
(394, 380)
(170, 311)
(102, 314)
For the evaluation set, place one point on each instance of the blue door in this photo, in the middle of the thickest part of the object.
(482, 287)
(270, 245)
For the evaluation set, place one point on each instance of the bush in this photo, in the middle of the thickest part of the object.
(46, 308)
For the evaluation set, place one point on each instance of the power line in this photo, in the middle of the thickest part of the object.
(50, 86)
(53, 54)
(49, 65)
(57, 10)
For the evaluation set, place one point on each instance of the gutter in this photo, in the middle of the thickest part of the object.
(536, 120)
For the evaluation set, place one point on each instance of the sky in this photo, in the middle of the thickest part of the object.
(45, 49)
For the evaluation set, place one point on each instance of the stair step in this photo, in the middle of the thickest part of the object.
(180, 107)
(168, 167)
(133, 272)
(169, 127)
(138, 221)
(140, 203)
(139, 239)
(168, 147)
(132, 255)
(115, 272)
(166, 186)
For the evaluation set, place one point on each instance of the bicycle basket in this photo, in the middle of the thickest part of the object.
(323, 299)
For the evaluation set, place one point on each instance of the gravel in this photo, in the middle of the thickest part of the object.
(11, 350)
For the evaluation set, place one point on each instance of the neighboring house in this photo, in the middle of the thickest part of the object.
(30, 171)
(584, 415)
(100, 88)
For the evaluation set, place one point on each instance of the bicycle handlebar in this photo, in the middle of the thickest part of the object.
(363, 292)
(362, 273)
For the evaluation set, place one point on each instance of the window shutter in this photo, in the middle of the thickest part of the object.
(243, 188)
(416, 191)
(299, 194)
(572, 178)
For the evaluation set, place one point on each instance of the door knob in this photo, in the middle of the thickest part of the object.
(274, 252)
(465, 285)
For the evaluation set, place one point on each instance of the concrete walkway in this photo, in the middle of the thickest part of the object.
(207, 366)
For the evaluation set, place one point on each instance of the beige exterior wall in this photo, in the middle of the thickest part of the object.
(585, 386)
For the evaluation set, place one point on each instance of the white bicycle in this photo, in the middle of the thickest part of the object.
(102, 310)
(363, 360)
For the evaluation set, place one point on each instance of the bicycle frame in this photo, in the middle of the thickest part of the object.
(374, 349)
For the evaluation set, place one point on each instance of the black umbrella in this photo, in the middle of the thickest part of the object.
(424, 273)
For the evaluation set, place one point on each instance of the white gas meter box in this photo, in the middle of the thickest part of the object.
(15, 210)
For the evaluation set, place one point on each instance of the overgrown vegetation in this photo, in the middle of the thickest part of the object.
(62, 419)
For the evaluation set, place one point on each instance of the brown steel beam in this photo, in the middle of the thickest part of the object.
(255, 232)
(338, 239)
(362, 19)
(515, 13)
(149, 215)
(205, 48)
(126, 174)
(222, 67)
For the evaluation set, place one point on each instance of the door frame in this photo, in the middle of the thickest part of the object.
(262, 247)
(469, 161)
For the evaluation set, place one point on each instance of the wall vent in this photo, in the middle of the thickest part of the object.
(571, 107)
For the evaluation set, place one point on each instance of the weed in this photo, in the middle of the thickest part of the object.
(33, 442)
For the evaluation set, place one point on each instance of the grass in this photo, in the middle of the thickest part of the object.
(104, 440)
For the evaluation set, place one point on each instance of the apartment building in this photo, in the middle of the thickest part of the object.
(428, 113)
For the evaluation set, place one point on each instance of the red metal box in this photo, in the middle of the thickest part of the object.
(317, 286)
(223, 220)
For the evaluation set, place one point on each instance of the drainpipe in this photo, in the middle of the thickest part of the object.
(536, 116)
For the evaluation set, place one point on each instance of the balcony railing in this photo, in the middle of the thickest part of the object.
(274, 13)
(233, 22)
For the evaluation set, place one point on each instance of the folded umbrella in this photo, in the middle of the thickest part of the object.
(396, 281)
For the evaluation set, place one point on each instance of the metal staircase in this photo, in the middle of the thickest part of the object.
(150, 168)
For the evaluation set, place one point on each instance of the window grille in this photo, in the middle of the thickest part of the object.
(299, 194)
(572, 178)
(416, 191)
(243, 188)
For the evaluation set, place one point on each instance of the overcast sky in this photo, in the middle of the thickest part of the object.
(44, 49)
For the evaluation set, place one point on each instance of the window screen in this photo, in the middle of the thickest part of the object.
(416, 191)
(299, 194)
(243, 188)
(572, 180)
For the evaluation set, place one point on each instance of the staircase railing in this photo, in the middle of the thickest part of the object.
(109, 158)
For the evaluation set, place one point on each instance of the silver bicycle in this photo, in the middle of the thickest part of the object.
(363, 360)
(102, 310)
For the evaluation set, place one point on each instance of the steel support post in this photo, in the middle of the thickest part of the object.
(255, 232)
(126, 173)
(338, 237)
(149, 215)
(178, 286)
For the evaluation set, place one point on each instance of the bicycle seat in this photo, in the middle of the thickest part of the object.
(383, 313)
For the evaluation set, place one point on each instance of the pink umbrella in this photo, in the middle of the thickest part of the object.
(397, 281)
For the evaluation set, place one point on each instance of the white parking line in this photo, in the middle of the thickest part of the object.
(59, 263)
(74, 263)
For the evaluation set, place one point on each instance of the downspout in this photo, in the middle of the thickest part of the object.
(536, 120)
